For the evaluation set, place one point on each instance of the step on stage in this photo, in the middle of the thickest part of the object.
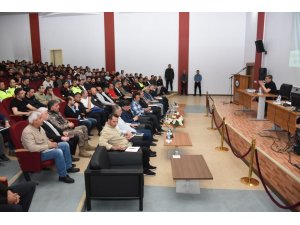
(280, 176)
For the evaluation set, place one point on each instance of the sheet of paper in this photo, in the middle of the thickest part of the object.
(132, 149)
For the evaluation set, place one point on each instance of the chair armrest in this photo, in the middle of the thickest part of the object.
(3, 180)
(115, 172)
(29, 161)
(125, 158)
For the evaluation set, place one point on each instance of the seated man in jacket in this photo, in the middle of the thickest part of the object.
(60, 122)
(16, 198)
(138, 110)
(96, 102)
(112, 139)
(132, 128)
(34, 139)
(128, 117)
(56, 134)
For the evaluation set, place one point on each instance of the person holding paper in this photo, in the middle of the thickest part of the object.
(112, 139)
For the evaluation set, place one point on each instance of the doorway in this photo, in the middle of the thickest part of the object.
(56, 57)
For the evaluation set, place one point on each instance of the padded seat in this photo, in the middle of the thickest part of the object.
(114, 175)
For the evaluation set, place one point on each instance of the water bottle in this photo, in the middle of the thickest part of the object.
(171, 133)
(168, 134)
(259, 91)
(278, 99)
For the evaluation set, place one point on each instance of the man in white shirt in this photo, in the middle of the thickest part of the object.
(48, 82)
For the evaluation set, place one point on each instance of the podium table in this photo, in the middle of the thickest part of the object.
(246, 99)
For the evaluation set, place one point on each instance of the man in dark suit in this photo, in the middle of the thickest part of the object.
(169, 76)
(117, 91)
(58, 135)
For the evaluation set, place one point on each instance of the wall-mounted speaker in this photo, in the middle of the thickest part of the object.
(262, 73)
(260, 46)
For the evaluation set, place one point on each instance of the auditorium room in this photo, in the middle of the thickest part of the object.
(149, 111)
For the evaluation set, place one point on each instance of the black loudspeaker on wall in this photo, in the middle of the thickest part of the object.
(262, 73)
(260, 46)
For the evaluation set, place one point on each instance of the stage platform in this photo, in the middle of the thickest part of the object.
(282, 177)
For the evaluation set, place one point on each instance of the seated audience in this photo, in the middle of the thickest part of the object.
(56, 134)
(128, 117)
(75, 88)
(34, 139)
(56, 119)
(85, 106)
(25, 84)
(65, 90)
(12, 87)
(48, 82)
(3, 93)
(30, 97)
(75, 110)
(19, 104)
(132, 128)
(40, 95)
(51, 96)
(106, 95)
(138, 110)
(101, 98)
(113, 140)
(112, 92)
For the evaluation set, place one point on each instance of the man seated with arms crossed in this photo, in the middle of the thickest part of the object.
(16, 198)
(112, 139)
(20, 105)
(34, 139)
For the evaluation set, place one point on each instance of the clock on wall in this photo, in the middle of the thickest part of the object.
(237, 83)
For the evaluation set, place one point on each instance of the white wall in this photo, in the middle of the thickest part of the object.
(15, 37)
(250, 37)
(277, 42)
(147, 42)
(81, 38)
(217, 44)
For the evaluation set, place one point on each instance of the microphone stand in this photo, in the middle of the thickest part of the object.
(231, 94)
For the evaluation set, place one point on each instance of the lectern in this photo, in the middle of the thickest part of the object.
(239, 82)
